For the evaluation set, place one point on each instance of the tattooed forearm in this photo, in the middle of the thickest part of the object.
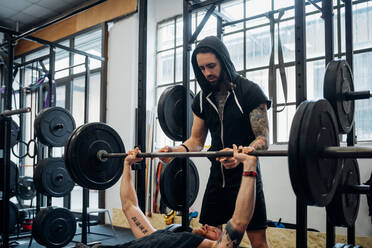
(260, 143)
(139, 225)
(260, 127)
(230, 238)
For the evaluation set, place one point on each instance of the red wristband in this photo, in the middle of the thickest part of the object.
(249, 173)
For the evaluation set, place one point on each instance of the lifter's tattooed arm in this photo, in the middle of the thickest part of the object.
(244, 204)
(139, 224)
(230, 237)
(260, 127)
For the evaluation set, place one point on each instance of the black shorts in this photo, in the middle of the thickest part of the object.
(219, 203)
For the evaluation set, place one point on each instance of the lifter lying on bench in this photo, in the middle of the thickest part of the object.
(204, 237)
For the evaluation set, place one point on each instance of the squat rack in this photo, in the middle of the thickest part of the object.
(11, 36)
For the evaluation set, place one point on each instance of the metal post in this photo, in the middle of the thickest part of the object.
(330, 234)
(52, 63)
(22, 126)
(141, 108)
(186, 84)
(51, 97)
(327, 7)
(84, 219)
(6, 130)
(351, 138)
(300, 47)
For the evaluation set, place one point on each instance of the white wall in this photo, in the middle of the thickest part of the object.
(122, 87)
(122, 91)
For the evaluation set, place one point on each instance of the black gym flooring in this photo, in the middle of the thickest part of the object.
(97, 233)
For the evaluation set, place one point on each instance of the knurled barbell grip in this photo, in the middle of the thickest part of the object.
(328, 152)
(346, 152)
(103, 155)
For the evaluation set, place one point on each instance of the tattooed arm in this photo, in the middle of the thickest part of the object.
(244, 206)
(138, 222)
(260, 127)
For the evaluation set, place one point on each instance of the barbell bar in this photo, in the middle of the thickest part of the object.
(327, 152)
(357, 95)
(94, 154)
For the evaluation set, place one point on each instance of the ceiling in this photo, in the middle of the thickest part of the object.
(22, 15)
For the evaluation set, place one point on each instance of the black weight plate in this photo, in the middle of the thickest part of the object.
(36, 226)
(82, 162)
(55, 227)
(13, 216)
(53, 126)
(338, 80)
(171, 184)
(14, 136)
(319, 130)
(14, 133)
(53, 178)
(26, 188)
(14, 177)
(296, 171)
(67, 156)
(344, 207)
(171, 109)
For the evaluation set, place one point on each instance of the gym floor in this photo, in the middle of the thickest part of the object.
(122, 235)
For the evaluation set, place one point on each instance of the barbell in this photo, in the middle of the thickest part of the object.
(94, 154)
(338, 89)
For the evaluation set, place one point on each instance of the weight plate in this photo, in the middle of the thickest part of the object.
(14, 177)
(52, 178)
(344, 207)
(321, 176)
(67, 157)
(13, 216)
(171, 112)
(296, 171)
(338, 80)
(54, 227)
(172, 188)
(14, 133)
(53, 126)
(26, 188)
(82, 161)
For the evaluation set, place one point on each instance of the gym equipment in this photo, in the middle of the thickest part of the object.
(338, 89)
(26, 188)
(81, 156)
(171, 112)
(53, 126)
(52, 178)
(54, 227)
(14, 178)
(14, 133)
(172, 187)
(94, 154)
(344, 207)
(13, 216)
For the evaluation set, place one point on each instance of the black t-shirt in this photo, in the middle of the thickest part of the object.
(164, 239)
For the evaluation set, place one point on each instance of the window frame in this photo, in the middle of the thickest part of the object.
(67, 82)
(273, 90)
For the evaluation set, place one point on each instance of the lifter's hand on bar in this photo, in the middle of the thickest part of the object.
(166, 160)
(242, 156)
(232, 162)
(132, 158)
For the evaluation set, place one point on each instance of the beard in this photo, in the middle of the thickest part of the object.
(215, 85)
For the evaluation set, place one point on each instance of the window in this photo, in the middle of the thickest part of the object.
(249, 44)
(70, 94)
